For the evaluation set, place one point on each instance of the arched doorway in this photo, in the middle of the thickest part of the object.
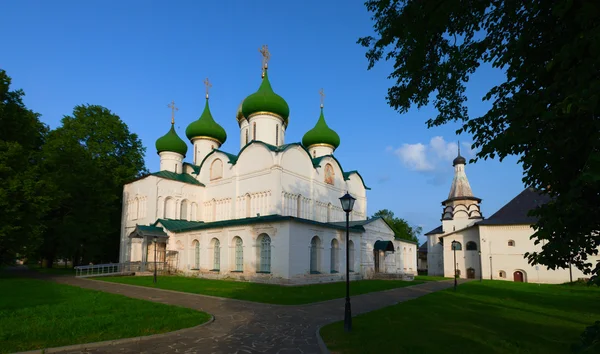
(518, 276)
(470, 273)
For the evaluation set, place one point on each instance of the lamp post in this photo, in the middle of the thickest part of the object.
(480, 268)
(454, 250)
(347, 203)
(155, 254)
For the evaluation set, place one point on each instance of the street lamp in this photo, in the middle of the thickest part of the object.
(347, 204)
(480, 268)
(155, 254)
(454, 249)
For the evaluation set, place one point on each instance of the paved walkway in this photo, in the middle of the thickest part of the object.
(242, 326)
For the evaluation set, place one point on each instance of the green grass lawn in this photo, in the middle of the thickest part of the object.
(267, 293)
(487, 317)
(37, 314)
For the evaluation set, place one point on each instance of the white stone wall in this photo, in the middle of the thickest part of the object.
(465, 259)
(508, 259)
(171, 161)
(267, 128)
(202, 147)
(435, 256)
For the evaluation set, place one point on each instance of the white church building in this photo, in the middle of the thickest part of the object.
(491, 248)
(268, 213)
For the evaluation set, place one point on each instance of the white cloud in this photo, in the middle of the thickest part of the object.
(414, 157)
(430, 157)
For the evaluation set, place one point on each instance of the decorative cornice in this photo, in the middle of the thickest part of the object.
(264, 113)
(207, 138)
(322, 144)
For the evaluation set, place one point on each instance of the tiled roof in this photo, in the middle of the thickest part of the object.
(515, 211)
(180, 177)
(423, 248)
(184, 225)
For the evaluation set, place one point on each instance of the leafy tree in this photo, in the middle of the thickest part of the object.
(89, 158)
(23, 191)
(546, 111)
(401, 228)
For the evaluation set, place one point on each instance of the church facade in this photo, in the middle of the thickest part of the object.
(491, 248)
(268, 213)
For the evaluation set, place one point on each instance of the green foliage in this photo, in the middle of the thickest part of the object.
(24, 194)
(39, 314)
(267, 293)
(546, 111)
(401, 228)
(486, 317)
(590, 340)
(88, 159)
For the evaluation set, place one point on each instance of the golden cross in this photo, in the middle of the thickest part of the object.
(322, 93)
(173, 109)
(266, 55)
(208, 86)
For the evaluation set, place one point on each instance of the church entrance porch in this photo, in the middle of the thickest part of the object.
(380, 250)
(518, 276)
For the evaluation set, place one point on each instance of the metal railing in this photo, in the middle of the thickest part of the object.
(98, 270)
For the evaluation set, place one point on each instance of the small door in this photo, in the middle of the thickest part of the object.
(518, 276)
(470, 273)
(376, 258)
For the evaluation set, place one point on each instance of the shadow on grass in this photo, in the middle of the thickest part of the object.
(479, 318)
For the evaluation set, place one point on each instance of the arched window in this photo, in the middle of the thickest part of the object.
(239, 254)
(329, 212)
(196, 246)
(136, 209)
(184, 210)
(246, 135)
(277, 134)
(194, 216)
(456, 246)
(264, 265)
(471, 246)
(329, 174)
(216, 254)
(216, 169)
(351, 256)
(511, 243)
(315, 254)
(335, 256)
(170, 208)
(502, 274)
(254, 131)
(314, 153)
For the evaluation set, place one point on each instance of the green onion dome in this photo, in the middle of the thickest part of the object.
(265, 100)
(239, 115)
(206, 127)
(321, 134)
(171, 142)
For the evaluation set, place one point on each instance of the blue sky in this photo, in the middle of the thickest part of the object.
(135, 56)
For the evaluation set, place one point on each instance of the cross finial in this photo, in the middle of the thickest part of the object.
(173, 109)
(322, 93)
(208, 85)
(264, 50)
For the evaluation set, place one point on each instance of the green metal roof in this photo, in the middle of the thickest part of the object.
(321, 134)
(179, 177)
(196, 168)
(206, 126)
(171, 142)
(185, 226)
(147, 231)
(266, 100)
(383, 246)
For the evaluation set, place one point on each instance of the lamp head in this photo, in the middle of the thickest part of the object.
(347, 202)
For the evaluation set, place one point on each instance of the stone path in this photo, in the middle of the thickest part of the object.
(242, 326)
